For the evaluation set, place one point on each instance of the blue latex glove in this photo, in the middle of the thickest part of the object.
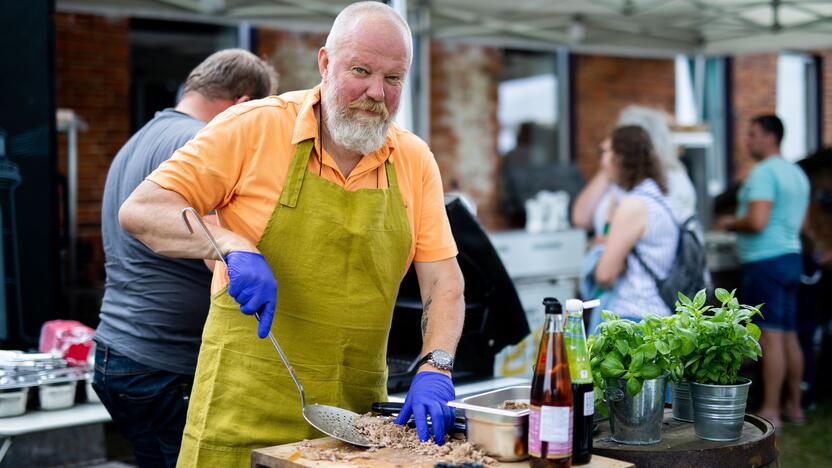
(429, 393)
(252, 284)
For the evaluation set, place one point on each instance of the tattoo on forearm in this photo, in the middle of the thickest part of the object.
(425, 316)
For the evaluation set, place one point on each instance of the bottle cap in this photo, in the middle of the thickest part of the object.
(574, 305)
(552, 306)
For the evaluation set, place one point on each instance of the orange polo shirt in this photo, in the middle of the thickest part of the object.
(238, 164)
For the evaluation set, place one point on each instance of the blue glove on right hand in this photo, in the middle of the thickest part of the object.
(429, 393)
(252, 284)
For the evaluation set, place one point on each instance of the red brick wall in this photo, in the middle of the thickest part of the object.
(754, 92)
(463, 124)
(826, 83)
(294, 55)
(603, 86)
(92, 78)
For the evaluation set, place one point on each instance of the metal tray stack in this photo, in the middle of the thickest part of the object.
(21, 372)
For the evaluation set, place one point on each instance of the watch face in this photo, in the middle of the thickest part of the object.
(443, 358)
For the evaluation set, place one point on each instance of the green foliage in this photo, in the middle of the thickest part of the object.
(712, 341)
(623, 349)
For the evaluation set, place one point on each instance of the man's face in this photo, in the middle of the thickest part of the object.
(759, 142)
(362, 86)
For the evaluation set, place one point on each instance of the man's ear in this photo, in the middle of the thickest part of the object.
(242, 99)
(323, 61)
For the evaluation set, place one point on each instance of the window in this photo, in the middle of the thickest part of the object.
(797, 98)
(531, 139)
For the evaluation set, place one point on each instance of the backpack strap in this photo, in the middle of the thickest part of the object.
(679, 228)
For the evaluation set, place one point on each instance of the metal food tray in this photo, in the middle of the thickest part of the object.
(501, 433)
(22, 370)
(483, 406)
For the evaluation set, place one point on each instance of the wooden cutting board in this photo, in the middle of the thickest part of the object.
(293, 456)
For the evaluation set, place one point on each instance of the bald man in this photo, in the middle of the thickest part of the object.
(324, 204)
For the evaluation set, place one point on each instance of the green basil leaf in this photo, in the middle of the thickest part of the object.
(649, 351)
(633, 386)
(638, 360)
(722, 295)
(622, 346)
(651, 371)
(753, 330)
(684, 299)
(699, 299)
(662, 347)
(612, 368)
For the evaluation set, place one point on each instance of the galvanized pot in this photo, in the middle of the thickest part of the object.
(636, 420)
(719, 410)
(682, 401)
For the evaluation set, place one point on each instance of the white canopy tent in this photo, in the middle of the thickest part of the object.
(633, 27)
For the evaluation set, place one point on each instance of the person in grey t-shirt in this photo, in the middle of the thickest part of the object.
(154, 307)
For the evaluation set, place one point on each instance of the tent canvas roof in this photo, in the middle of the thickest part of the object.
(640, 27)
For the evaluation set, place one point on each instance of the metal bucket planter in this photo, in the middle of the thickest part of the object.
(636, 420)
(682, 401)
(719, 410)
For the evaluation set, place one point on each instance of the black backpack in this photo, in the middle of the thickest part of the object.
(687, 273)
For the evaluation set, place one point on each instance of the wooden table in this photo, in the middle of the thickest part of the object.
(681, 448)
(292, 456)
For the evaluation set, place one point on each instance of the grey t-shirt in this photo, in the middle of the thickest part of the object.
(154, 307)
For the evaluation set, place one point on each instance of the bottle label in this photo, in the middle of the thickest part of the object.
(551, 424)
(589, 403)
(534, 431)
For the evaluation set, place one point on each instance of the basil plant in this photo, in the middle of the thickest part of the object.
(712, 341)
(623, 349)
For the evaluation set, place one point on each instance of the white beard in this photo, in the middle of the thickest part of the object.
(349, 129)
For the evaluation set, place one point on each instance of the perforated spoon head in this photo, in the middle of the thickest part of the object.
(336, 422)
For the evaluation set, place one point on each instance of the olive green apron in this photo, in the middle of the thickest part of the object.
(338, 258)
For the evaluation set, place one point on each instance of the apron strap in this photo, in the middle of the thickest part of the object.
(390, 170)
(297, 170)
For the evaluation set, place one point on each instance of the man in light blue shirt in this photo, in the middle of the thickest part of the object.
(772, 205)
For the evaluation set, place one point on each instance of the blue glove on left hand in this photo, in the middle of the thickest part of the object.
(429, 393)
(252, 284)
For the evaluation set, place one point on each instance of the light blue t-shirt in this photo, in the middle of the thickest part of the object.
(787, 187)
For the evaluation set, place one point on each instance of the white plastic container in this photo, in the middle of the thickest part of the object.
(13, 402)
(57, 396)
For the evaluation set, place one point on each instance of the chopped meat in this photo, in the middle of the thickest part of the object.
(513, 405)
(381, 430)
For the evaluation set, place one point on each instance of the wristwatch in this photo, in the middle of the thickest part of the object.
(438, 358)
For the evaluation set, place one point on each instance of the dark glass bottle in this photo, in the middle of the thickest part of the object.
(583, 391)
(550, 413)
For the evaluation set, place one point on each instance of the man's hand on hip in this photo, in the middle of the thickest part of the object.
(252, 284)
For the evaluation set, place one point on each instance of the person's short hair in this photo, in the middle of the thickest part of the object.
(230, 74)
(635, 158)
(356, 11)
(770, 124)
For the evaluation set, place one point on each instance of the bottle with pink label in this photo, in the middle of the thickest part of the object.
(550, 414)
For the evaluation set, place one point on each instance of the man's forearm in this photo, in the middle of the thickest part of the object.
(153, 215)
(444, 308)
(442, 321)
(744, 224)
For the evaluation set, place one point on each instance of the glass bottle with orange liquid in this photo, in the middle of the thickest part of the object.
(550, 412)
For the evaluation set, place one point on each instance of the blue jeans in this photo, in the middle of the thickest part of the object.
(148, 405)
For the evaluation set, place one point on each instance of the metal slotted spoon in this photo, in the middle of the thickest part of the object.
(333, 421)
